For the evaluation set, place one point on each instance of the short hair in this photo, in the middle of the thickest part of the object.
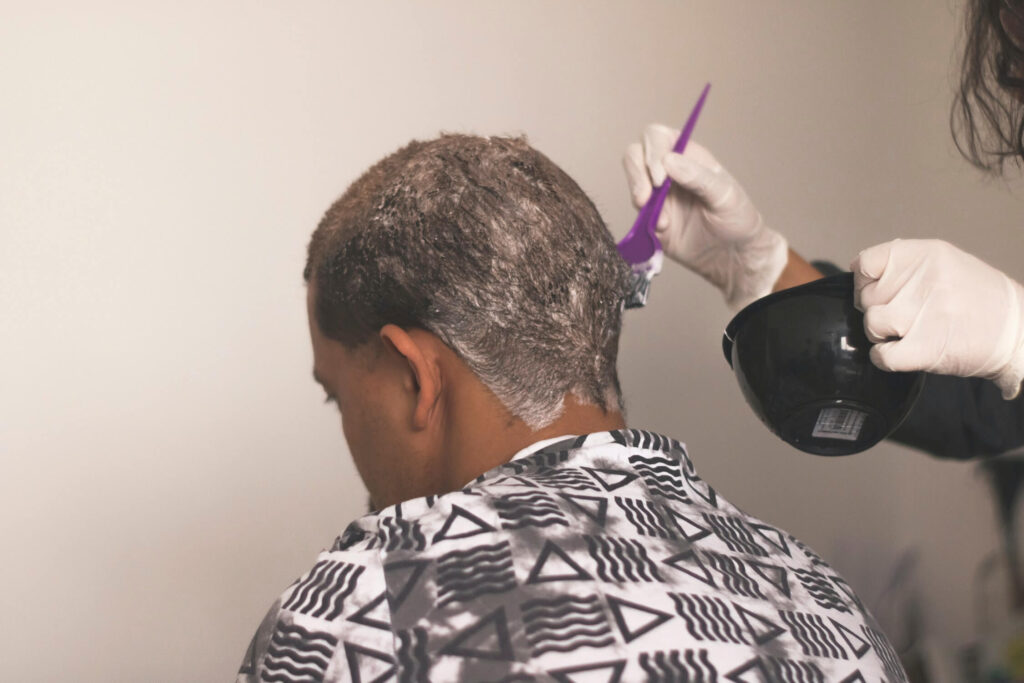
(987, 117)
(489, 245)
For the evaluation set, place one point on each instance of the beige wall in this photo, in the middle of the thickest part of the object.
(168, 467)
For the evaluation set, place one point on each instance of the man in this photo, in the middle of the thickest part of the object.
(465, 303)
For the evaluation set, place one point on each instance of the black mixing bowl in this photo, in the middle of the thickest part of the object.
(801, 358)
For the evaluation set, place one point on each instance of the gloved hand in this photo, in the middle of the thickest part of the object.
(708, 223)
(930, 306)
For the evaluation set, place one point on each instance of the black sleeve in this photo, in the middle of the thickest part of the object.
(959, 417)
(962, 417)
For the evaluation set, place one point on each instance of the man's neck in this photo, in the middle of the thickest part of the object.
(492, 436)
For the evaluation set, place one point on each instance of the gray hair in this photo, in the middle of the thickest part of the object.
(486, 243)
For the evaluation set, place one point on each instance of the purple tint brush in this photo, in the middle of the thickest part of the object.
(640, 247)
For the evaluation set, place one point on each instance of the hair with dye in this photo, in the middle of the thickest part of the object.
(488, 244)
(988, 113)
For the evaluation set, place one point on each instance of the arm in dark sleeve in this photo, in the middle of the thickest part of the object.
(958, 417)
(962, 417)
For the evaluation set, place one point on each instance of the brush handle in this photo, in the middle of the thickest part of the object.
(661, 193)
(641, 242)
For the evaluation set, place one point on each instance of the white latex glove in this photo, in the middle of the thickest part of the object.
(930, 306)
(708, 223)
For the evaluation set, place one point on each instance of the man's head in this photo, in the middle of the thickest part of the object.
(451, 263)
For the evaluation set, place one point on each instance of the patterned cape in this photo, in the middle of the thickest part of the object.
(595, 558)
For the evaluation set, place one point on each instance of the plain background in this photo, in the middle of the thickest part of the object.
(168, 467)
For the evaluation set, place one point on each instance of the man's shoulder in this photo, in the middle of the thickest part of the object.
(332, 624)
(601, 551)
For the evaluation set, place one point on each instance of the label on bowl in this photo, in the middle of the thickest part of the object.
(839, 423)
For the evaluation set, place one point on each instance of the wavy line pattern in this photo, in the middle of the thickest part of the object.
(620, 559)
(793, 671)
(668, 667)
(734, 533)
(565, 623)
(543, 460)
(813, 635)
(635, 438)
(823, 592)
(708, 618)
(515, 678)
(662, 476)
(645, 517)
(400, 534)
(647, 440)
(566, 478)
(532, 508)
(890, 660)
(413, 663)
(467, 574)
(553, 605)
(297, 654)
(811, 555)
(638, 438)
(734, 575)
(322, 592)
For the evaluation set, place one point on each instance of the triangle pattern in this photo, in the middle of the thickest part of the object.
(553, 564)
(611, 479)
(403, 574)
(773, 536)
(635, 620)
(507, 480)
(604, 672)
(486, 639)
(249, 663)
(855, 677)
(689, 562)
(690, 530)
(368, 666)
(753, 671)
(773, 574)
(594, 507)
(858, 645)
(761, 629)
(374, 613)
(461, 524)
(705, 492)
(847, 591)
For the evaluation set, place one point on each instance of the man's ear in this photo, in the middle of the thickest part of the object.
(424, 372)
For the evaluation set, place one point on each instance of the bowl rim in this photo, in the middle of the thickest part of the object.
(837, 284)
